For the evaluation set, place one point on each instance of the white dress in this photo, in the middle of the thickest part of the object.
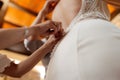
(89, 51)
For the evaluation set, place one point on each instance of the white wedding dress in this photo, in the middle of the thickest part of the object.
(91, 48)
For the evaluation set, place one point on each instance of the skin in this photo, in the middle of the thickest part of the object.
(72, 7)
(17, 70)
(61, 11)
(47, 8)
(12, 36)
(33, 39)
(64, 12)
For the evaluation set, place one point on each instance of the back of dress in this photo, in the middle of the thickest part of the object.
(85, 53)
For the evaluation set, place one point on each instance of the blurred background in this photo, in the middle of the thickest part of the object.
(20, 13)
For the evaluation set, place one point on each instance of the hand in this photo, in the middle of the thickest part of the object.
(43, 30)
(53, 40)
(46, 28)
(49, 6)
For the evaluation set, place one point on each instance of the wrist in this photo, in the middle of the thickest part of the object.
(43, 12)
(29, 31)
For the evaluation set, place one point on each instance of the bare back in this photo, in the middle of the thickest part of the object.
(65, 11)
(92, 46)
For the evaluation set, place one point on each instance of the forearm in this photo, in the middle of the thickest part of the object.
(18, 70)
(39, 18)
(9, 37)
(28, 64)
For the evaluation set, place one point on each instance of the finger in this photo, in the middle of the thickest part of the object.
(60, 33)
(57, 25)
(53, 2)
(56, 2)
(50, 4)
(60, 27)
(52, 29)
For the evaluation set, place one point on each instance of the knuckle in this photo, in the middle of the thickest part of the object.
(49, 21)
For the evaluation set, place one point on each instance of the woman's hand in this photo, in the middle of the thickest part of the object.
(49, 6)
(53, 40)
(46, 28)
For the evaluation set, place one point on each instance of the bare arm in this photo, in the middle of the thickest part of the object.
(39, 17)
(9, 37)
(17, 70)
(47, 8)
(13, 36)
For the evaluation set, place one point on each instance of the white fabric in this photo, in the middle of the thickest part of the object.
(92, 9)
(4, 62)
(90, 51)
